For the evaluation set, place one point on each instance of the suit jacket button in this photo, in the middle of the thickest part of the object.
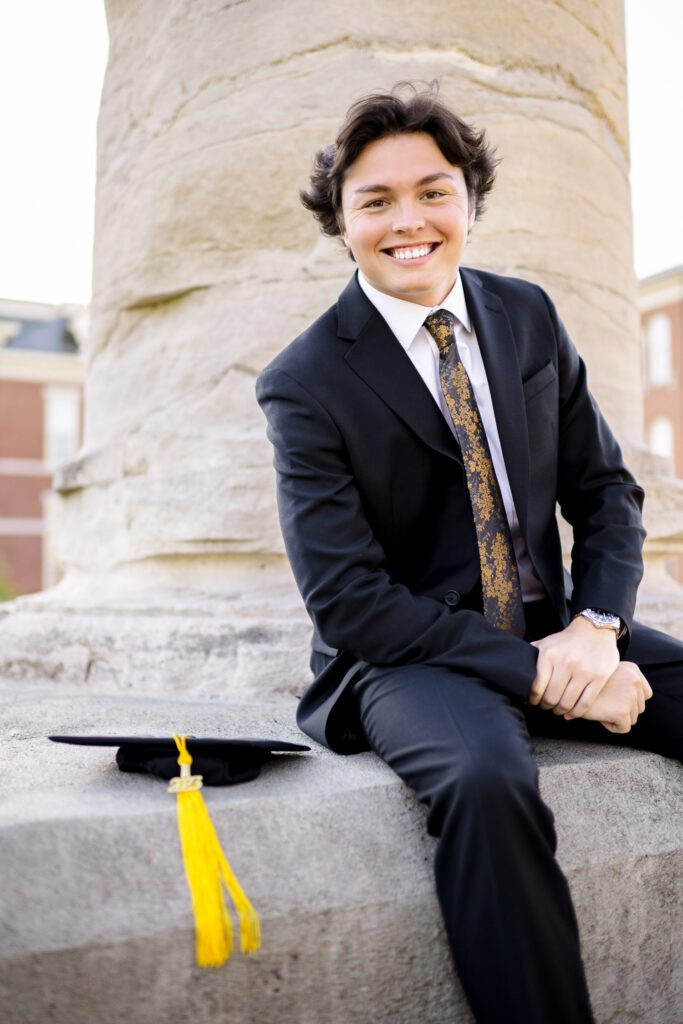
(452, 597)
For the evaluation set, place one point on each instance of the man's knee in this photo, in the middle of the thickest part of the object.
(482, 787)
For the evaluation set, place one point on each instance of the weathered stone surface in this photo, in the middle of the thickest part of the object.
(95, 920)
(249, 644)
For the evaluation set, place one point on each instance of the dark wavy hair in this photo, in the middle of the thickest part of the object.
(380, 115)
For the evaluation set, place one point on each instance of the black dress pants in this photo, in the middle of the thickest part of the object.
(465, 750)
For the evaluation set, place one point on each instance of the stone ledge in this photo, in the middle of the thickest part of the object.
(95, 920)
(161, 642)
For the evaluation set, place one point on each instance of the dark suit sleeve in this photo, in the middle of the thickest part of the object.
(341, 570)
(597, 495)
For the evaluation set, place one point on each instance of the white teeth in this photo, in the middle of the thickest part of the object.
(412, 253)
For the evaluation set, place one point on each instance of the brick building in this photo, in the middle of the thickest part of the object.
(661, 313)
(41, 378)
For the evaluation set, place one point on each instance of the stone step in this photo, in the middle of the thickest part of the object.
(96, 924)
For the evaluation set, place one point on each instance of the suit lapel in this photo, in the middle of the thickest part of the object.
(382, 362)
(379, 358)
(497, 345)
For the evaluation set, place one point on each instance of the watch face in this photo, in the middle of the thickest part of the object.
(602, 619)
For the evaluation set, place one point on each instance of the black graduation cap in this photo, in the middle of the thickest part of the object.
(220, 762)
(216, 762)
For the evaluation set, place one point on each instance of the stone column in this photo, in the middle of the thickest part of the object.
(206, 265)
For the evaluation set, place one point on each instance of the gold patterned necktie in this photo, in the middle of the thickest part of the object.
(501, 591)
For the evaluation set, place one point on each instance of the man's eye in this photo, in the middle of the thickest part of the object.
(375, 204)
(433, 194)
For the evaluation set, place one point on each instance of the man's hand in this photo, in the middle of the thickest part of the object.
(621, 700)
(573, 667)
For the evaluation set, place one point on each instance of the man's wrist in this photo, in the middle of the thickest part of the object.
(600, 618)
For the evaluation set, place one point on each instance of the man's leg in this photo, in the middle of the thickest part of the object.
(465, 750)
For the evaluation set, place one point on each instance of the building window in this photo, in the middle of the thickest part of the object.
(661, 436)
(62, 423)
(658, 336)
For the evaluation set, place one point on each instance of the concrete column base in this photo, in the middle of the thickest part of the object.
(171, 640)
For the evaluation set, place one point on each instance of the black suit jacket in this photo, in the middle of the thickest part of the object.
(373, 500)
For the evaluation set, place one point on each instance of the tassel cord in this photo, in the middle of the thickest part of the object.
(208, 871)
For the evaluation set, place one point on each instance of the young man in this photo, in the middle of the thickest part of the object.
(424, 429)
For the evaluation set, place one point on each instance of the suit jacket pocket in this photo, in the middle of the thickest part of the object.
(539, 380)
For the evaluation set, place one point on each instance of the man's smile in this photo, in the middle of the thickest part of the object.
(411, 253)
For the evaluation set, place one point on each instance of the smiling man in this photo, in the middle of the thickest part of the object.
(415, 257)
(424, 429)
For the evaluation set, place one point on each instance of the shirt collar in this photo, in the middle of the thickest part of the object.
(406, 318)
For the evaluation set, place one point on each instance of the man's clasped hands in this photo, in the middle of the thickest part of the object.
(579, 675)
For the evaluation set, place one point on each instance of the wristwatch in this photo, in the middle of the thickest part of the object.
(604, 620)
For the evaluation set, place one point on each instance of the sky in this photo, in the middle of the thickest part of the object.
(52, 60)
(654, 35)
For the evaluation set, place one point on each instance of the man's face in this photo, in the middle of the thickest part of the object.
(406, 217)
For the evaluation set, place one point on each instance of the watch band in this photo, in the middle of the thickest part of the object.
(622, 625)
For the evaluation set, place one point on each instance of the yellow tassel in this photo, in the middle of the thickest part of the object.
(208, 871)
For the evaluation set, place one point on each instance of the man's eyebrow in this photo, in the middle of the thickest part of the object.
(434, 177)
(427, 180)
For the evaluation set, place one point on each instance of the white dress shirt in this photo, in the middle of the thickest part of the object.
(406, 321)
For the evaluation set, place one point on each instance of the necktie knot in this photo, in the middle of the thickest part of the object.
(441, 326)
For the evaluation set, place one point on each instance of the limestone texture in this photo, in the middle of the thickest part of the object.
(249, 647)
(95, 920)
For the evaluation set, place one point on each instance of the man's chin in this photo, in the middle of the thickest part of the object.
(428, 293)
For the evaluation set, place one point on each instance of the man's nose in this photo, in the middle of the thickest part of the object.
(408, 218)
